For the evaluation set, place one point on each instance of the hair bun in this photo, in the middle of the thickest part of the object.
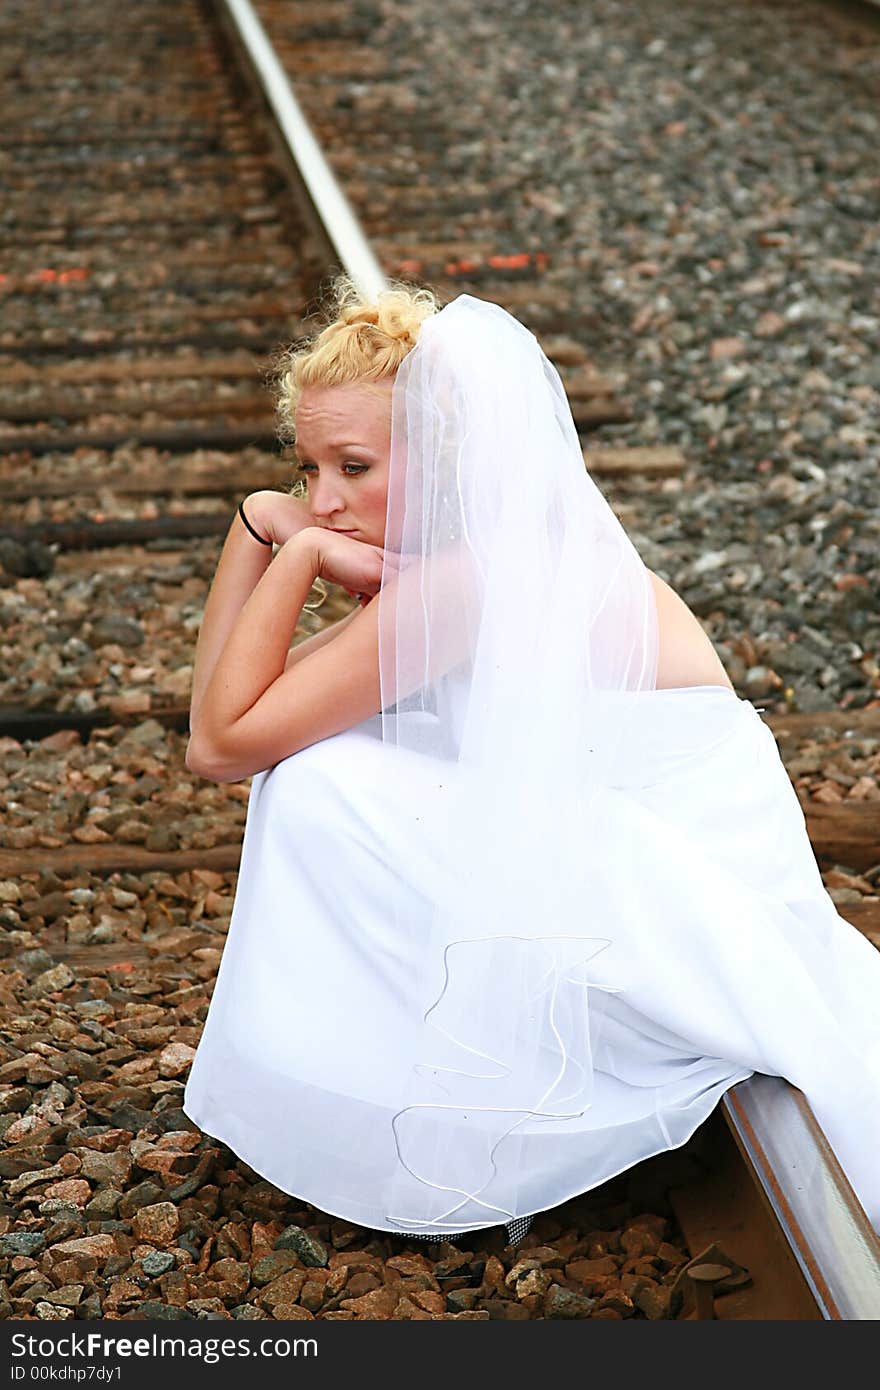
(400, 331)
(360, 341)
(358, 316)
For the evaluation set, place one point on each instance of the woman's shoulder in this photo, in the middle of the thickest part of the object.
(686, 655)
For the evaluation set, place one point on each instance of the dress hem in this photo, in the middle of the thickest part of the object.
(741, 1075)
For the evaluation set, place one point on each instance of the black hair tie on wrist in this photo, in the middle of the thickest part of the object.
(256, 535)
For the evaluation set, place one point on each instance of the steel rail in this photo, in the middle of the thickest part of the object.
(824, 1223)
(333, 209)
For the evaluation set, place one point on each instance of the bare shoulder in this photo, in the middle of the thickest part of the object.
(686, 655)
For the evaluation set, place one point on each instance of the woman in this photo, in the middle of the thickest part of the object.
(524, 886)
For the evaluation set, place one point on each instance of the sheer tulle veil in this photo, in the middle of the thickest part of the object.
(517, 638)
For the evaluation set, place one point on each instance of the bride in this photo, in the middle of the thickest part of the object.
(524, 885)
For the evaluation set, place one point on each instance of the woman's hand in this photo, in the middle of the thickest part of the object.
(354, 565)
(277, 515)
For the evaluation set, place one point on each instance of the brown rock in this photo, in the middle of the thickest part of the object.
(336, 1280)
(585, 1271)
(177, 1288)
(234, 1273)
(378, 1304)
(139, 1069)
(547, 1256)
(566, 1303)
(494, 1274)
(32, 1176)
(175, 1059)
(61, 740)
(179, 1140)
(654, 1225)
(670, 1256)
(72, 1271)
(617, 1300)
(600, 1285)
(406, 1311)
(122, 1291)
(16, 1068)
(143, 1194)
(533, 1284)
(416, 1282)
(130, 702)
(112, 1169)
(208, 877)
(157, 1224)
(725, 349)
(206, 1305)
(769, 325)
(637, 1242)
(74, 1190)
(110, 1140)
(57, 978)
(34, 1128)
(430, 1301)
(533, 1303)
(48, 1311)
(408, 1264)
(274, 1264)
(48, 905)
(90, 834)
(292, 1312)
(518, 1270)
(356, 1259)
(506, 1310)
(285, 1289)
(312, 1295)
(68, 1295)
(101, 1246)
(362, 1282)
(233, 1241)
(653, 1301)
(167, 1163)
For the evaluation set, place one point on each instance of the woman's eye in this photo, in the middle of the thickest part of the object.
(358, 468)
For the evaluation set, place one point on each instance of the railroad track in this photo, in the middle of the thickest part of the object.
(773, 1226)
(133, 414)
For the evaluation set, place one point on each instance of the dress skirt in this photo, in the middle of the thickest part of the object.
(730, 957)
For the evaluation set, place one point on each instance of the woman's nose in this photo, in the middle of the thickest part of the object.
(324, 501)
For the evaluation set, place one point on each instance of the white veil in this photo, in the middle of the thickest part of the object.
(515, 641)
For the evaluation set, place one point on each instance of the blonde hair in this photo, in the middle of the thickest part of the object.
(361, 340)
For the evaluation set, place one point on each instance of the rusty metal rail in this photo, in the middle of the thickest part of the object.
(823, 1222)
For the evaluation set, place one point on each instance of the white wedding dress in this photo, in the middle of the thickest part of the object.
(729, 957)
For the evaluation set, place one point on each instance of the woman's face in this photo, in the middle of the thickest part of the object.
(343, 444)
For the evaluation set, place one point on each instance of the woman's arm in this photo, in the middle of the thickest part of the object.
(318, 639)
(255, 711)
(242, 564)
(686, 655)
